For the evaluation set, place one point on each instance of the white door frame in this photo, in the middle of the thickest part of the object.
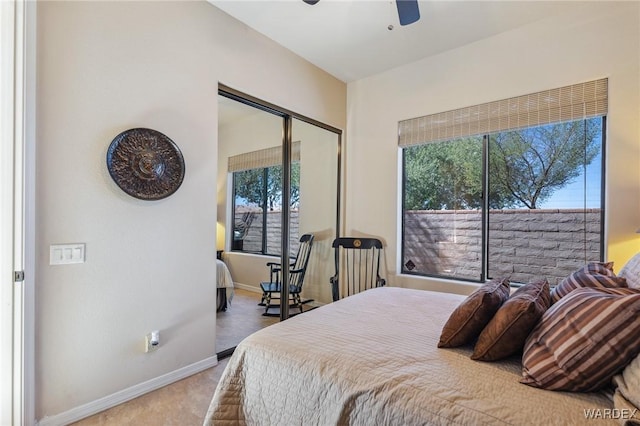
(17, 211)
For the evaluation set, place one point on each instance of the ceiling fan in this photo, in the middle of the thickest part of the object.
(408, 11)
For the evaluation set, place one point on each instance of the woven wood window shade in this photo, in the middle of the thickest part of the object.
(262, 158)
(575, 102)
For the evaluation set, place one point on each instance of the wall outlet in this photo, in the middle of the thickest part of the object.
(152, 341)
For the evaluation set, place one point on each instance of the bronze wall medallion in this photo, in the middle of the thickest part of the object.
(145, 164)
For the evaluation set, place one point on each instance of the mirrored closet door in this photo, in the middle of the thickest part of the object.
(278, 183)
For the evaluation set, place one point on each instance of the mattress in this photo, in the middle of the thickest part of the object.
(372, 359)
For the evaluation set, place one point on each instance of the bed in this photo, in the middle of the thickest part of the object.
(224, 284)
(372, 358)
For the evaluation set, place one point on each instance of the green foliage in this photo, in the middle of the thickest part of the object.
(249, 186)
(525, 167)
(531, 164)
(444, 175)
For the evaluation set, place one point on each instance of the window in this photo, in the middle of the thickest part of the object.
(543, 213)
(257, 202)
(257, 195)
(442, 232)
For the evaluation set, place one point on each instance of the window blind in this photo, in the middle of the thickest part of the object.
(578, 101)
(262, 158)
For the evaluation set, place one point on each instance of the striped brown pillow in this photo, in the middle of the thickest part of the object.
(602, 268)
(582, 279)
(583, 340)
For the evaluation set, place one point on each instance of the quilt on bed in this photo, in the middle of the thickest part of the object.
(372, 359)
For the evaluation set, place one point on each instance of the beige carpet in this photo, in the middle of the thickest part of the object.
(185, 403)
(242, 317)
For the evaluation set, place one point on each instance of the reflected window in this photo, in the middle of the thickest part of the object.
(257, 209)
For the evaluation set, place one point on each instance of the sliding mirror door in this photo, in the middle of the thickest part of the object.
(266, 205)
(249, 216)
(317, 203)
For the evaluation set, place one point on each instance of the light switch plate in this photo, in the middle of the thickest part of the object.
(66, 254)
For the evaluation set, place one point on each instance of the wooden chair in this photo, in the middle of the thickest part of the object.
(297, 269)
(357, 262)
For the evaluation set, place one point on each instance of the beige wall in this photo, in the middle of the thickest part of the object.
(602, 40)
(104, 67)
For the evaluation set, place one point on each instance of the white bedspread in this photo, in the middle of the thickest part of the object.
(371, 359)
(223, 279)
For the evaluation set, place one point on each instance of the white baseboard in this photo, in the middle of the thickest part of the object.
(125, 395)
(248, 287)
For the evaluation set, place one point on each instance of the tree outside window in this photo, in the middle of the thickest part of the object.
(534, 169)
(257, 203)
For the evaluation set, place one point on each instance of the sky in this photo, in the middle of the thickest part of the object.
(572, 196)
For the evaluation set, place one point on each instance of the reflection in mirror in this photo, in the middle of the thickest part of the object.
(317, 205)
(248, 228)
(250, 209)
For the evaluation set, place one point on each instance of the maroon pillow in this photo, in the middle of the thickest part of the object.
(472, 315)
(509, 328)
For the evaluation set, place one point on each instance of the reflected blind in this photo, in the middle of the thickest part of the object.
(262, 158)
(575, 102)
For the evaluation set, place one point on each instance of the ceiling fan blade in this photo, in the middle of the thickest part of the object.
(408, 11)
(311, 2)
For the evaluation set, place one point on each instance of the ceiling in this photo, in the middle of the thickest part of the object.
(350, 39)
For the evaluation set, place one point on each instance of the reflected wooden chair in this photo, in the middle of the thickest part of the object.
(357, 266)
(297, 269)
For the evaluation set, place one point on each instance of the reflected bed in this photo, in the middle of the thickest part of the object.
(224, 283)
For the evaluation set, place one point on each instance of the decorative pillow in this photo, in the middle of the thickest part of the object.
(602, 268)
(469, 318)
(628, 387)
(628, 414)
(581, 279)
(631, 271)
(509, 328)
(582, 341)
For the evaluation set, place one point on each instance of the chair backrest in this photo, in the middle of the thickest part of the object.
(302, 260)
(357, 262)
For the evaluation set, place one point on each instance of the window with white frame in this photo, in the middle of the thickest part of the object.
(510, 188)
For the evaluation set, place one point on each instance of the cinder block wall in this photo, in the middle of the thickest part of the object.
(253, 239)
(524, 244)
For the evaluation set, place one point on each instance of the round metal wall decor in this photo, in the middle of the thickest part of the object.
(145, 164)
